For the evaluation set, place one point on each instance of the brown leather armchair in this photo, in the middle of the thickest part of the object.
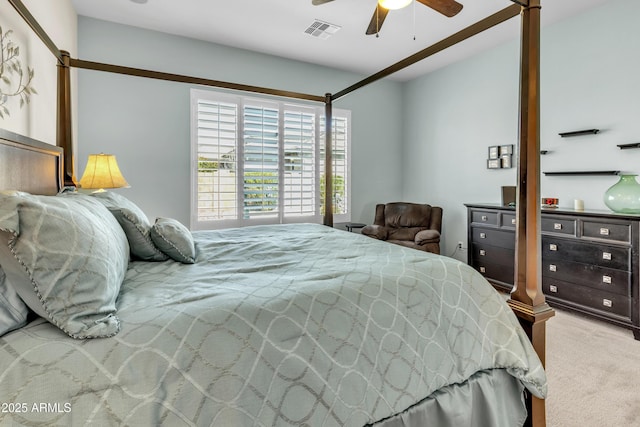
(413, 225)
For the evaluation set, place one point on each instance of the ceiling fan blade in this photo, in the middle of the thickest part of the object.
(448, 8)
(319, 2)
(376, 21)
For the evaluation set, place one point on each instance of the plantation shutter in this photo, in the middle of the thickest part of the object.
(261, 163)
(340, 159)
(300, 195)
(217, 133)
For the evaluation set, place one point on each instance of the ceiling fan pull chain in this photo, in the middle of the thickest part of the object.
(414, 20)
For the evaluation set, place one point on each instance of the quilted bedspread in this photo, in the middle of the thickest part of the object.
(273, 325)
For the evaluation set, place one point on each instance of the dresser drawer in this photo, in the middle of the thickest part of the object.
(605, 230)
(484, 217)
(493, 237)
(586, 275)
(556, 248)
(487, 254)
(592, 298)
(558, 225)
(509, 220)
(497, 272)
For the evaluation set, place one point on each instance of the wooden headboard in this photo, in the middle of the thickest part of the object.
(29, 165)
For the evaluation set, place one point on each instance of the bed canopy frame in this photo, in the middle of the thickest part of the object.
(526, 299)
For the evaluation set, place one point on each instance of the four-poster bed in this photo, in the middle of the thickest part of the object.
(527, 300)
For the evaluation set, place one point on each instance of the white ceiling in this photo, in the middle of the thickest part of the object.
(277, 27)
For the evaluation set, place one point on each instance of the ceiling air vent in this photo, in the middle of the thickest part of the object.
(321, 29)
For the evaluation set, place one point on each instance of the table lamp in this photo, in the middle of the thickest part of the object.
(102, 172)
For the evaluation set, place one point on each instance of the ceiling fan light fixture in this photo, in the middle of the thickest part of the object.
(394, 4)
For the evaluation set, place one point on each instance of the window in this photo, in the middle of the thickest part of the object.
(259, 161)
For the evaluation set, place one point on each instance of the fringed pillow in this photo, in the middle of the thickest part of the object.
(174, 239)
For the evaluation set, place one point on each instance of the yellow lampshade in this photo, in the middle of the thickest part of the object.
(102, 172)
(394, 4)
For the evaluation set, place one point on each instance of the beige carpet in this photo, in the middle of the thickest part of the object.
(593, 371)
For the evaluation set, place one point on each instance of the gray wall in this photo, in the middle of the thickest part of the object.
(145, 123)
(589, 69)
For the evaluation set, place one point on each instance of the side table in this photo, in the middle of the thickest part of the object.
(351, 225)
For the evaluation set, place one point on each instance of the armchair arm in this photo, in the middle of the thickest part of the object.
(379, 232)
(436, 218)
(427, 236)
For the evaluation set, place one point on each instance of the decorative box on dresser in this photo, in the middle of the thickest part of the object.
(590, 259)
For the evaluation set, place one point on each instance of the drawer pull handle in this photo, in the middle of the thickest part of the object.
(483, 270)
(606, 255)
(483, 236)
(552, 267)
(557, 226)
(604, 231)
(513, 221)
(606, 279)
(553, 247)
(483, 252)
(553, 288)
(485, 218)
(607, 302)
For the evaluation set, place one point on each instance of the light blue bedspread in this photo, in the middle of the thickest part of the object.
(273, 325)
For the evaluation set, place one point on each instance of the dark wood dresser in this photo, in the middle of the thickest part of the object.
(590, 259)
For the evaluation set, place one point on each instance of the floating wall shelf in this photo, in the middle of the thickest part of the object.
(581, 173)
(579, 132)
(626, 146)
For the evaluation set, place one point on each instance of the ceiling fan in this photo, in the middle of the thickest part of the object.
(448, 8)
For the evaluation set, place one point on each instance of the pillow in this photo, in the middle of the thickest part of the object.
(66, 258)
(13, 311)
(135, 224)
(174, 239)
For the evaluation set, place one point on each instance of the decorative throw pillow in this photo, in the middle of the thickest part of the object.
(13, 311)
(174, 239)
(135, 224)
(66, 257)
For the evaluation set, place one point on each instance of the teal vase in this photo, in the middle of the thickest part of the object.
(624, 195)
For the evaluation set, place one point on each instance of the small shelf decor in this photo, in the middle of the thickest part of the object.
(579, 132)
(558, 173)
(627, 146)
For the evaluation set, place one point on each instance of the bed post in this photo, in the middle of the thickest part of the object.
(63, 137)
(527, 299)
(328, 162)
